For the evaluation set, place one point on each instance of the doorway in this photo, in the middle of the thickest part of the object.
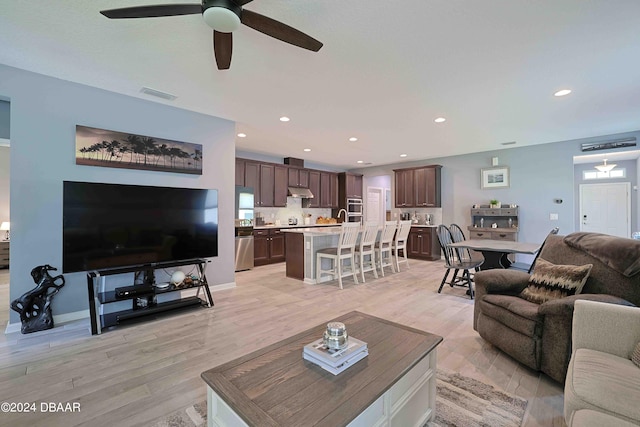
(375, 205)
(606, 208)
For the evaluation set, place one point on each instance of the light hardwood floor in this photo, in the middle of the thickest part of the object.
(132, 375)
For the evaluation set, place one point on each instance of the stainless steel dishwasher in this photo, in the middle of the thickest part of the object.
(244, 248)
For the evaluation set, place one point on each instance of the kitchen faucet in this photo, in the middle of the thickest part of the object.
(345, 214)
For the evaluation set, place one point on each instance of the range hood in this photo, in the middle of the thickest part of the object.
(303, 193)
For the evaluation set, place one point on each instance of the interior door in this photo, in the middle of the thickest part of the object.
(606, 208)
(375, 205)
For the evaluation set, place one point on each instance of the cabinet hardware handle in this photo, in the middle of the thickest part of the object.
(503, 235)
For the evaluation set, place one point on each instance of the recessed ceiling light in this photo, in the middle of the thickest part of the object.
(440, 120)
(353, 139)
(403, 155)
(562, 92)
(284, 119)
(360, 161)
(242, 135)
(307, 149)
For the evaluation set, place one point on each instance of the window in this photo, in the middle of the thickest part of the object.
(595, 174)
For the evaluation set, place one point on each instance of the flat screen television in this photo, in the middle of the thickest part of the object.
(114, 225)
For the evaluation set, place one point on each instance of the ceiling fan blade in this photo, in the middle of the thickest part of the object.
(153, 11)
(222, 49)
(280, 31)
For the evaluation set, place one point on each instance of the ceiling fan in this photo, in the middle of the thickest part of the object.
(224, 16)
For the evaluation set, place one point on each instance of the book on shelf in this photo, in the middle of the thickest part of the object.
(343, 365)
(332, 357)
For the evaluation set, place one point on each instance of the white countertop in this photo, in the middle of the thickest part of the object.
(316, 231)
(287, 226)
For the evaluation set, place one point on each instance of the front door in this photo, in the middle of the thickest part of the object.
(606, 208)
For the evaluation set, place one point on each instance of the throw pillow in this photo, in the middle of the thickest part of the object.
(635, 356)
(552, 281)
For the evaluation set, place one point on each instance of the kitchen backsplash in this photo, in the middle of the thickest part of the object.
(294, 209)
(420, 214)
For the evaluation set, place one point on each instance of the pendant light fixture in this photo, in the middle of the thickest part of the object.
(604, 167)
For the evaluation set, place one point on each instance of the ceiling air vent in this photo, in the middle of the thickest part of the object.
(159, 94)
(607, 145)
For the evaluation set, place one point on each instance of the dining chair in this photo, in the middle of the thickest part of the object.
(383, 246)
(464, 254)
(523, 266)
(345, 250)
(400, 243)
(453, 263)
(365, 250)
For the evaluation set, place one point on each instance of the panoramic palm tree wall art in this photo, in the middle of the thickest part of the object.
(99, 147)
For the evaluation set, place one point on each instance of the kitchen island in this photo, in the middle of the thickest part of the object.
(301, 247)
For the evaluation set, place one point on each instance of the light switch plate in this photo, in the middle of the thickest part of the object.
(553, 216)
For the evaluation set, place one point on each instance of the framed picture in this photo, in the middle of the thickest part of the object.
(497, 177)
(100, 147)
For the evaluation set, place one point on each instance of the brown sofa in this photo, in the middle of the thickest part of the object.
(539, 335)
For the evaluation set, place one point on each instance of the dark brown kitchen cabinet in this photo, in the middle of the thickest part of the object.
(280, 186)
(266, 185)
(405, 188)
(427, 185)
(314, 186)
(252, 179)
(240, 172)
(353, 185)
(268, 246)
(328, 190)
(423, 244)
(298, 177)
(418, 187)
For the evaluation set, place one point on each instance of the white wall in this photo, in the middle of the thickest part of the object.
(4, 184)
(44, 114)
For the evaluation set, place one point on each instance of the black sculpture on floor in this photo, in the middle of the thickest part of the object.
(34, 306)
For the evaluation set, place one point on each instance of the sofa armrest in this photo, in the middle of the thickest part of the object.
(497, 281)
(610, 328)
(565, 306)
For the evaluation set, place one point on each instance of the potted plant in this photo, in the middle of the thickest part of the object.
(494, 203)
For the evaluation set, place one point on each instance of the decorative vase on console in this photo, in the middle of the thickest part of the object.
(494, 203)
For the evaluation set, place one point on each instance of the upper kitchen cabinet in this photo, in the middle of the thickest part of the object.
(427, 185)
(298, 177)
(352, 184)
(405, 187)
(314, 187)
(268, 180)
(418, 187)
(240, 172)
(328, 190)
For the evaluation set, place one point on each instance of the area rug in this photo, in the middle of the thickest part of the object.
(460, 402)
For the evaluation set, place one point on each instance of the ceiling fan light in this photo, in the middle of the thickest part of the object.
(221, 19)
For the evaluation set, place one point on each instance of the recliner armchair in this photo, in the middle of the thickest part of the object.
(539, 335)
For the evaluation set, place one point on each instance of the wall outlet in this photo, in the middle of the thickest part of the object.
(308, 245)
(553, 216)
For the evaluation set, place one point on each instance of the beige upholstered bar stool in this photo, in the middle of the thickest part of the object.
(365, 251)
(345, 250)
(383, 246)
(400, 243)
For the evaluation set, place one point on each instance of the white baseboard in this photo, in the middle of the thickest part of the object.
(59, 320)
(62, 320)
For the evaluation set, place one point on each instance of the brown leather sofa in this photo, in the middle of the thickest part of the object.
(539, 335)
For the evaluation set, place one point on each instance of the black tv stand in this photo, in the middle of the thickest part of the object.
(143, 294)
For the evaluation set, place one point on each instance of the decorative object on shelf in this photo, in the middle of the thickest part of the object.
(5, 226)
(34, 306)
(494, 203)
(177, 278)
(98, 147)
(335, 337)
(496, 177)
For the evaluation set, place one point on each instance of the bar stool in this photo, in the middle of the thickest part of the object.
(383, 246)
(349, 232)
(366, 248)
(400, 243)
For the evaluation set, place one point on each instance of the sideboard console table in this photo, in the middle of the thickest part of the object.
(142, 295)
(395, 385)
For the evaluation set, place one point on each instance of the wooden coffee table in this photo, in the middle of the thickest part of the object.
(274, 386)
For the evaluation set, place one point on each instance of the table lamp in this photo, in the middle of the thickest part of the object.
(6, 227)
